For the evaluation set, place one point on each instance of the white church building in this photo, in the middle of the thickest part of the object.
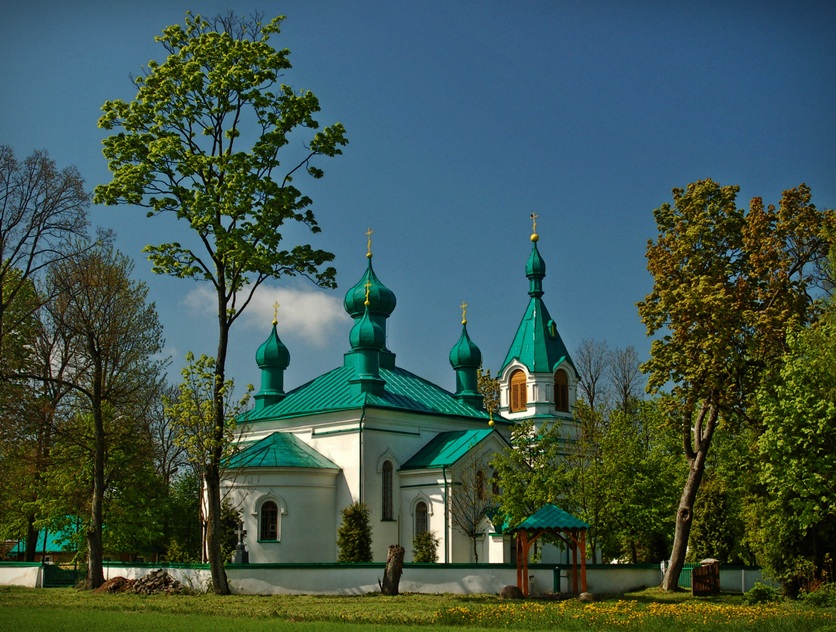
(372, 431)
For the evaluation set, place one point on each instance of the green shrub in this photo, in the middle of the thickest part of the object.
(761, 593)
(425, 547)
(354, 538)
(823, 597)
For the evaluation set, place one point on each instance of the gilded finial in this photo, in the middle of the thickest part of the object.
(491, 422)
(464, 312)
(276, 313)
(534, 235)
(369, 233)
(368, 287)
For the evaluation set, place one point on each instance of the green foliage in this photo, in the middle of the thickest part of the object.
(822, 597)
(354, 537)
(622, 476)
(202, 140)
(425, 548)
(527, 473)
(718, 528)
(489, 388)
(230, 520)
(761, 593)
(192, 413)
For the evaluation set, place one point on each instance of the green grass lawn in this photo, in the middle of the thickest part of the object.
(68, 610)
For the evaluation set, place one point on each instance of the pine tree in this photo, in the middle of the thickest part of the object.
(354, 538)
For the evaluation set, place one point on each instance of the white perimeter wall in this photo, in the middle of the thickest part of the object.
(14, 575)
(273, 579)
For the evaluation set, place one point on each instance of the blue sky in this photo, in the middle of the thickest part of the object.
(463, 119)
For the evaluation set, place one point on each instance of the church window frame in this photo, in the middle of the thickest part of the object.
(561, 391)
(517, 392)
(422, 517)
(387, 491)
(268, 521)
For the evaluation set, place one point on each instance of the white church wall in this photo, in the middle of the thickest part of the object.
(305, 498)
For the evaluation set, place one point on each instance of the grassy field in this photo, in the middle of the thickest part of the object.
(69, 610)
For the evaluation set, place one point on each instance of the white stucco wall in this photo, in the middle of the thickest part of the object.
(18, 574)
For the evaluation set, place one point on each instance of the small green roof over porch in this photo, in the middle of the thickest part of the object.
(446, 448)
(550, 517)
(280, 449)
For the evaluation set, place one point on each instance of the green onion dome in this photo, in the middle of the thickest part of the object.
(465, 353)
(272, 354)
(382, 300)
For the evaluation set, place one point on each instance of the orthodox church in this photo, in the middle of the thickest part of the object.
(372, 431)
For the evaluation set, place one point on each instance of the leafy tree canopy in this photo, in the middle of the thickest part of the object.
(202, 139)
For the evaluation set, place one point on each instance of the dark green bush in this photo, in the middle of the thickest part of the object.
(425, 547)
(354, 537)
(823, 597)
(761, 593)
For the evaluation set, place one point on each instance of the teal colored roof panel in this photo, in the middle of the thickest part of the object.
(550, 517)
(537, 343)
(280, 449)
(446, 448)
(56, 542)
(333, 391)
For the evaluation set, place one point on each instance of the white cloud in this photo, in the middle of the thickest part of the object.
(307, 314)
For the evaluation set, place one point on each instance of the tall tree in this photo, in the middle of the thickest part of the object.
(192, 417)
(797, 453)
(113, 334)
(727, 287)
(201, 141)
(40, 209)
(625, 376)
(470, 499)
(592, 359)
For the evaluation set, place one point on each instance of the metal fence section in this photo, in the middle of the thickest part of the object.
(57, 577)
(685, 575)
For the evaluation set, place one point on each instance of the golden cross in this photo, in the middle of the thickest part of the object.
(275, 313)
(464, 312)
(368, 287)
(369, 233)
(534, 217)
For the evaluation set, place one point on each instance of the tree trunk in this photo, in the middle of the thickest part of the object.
(95, 546)
(394, 570)
(212, 475)
(220, 585)
(685, 513)
(31, 540)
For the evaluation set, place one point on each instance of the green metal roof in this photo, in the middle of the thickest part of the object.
(56, 541)
(333, 391)
(537, 344)
(550, 517)
(280, 449)
(446, 448)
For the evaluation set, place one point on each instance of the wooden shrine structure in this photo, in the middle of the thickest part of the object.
(552, 520)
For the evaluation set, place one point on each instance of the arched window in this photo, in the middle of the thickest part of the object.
(495, 482)
(480, 485)
(269, 521)
(387, 490)
(561, 391)
(518, 395)
(421, 518)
